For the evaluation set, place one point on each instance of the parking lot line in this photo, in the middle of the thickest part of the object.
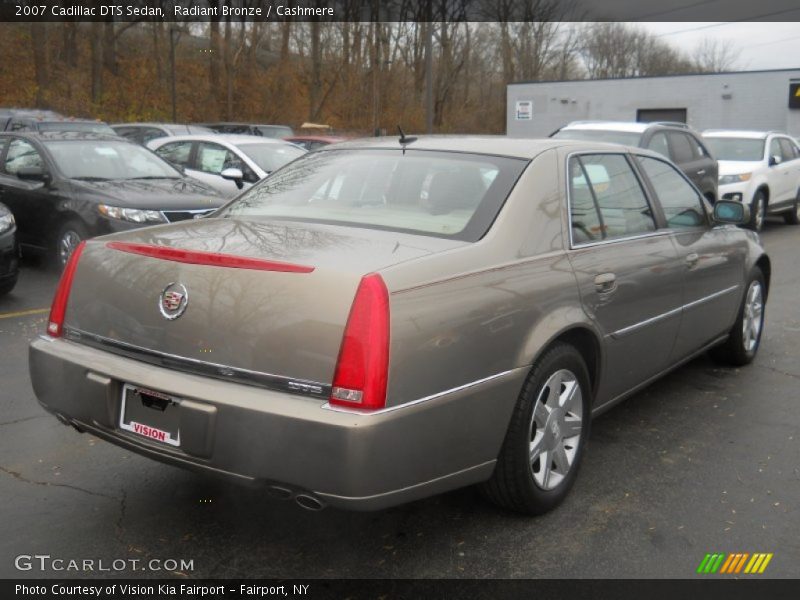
(23, 313)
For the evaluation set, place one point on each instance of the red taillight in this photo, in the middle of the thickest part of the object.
(55, 324)
(363, 365)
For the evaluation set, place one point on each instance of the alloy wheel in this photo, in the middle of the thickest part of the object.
(752, 318)
(555, 431)
(67, 244)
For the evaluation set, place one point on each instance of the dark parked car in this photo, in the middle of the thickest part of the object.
(65, 187)
(9, 254)
(273, 131)
(44, 124)
(314, 142)
(676, 141)
(6, 114)
(141, 133)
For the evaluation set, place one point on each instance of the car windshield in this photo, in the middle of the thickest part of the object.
(271, 157)
(729, 148)
(626, 138)
(108, 159)
(427, 192)
(76, 126)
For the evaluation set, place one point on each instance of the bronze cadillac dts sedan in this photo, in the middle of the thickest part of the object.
(381, 321)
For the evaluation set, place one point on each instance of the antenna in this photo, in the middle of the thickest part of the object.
(404, 139)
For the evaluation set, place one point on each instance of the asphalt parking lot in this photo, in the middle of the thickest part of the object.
(706, 460)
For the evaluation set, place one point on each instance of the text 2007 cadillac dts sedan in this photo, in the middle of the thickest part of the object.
(383, 321)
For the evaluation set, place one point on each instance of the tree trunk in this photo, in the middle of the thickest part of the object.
(214, 67)
(95, 42)
(70, 45)
(110, 49)
(39, 43)
(315, 82)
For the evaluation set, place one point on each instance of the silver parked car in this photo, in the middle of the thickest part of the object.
(380, 321)
(227, 162)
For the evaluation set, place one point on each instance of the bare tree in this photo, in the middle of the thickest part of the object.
(715, 56)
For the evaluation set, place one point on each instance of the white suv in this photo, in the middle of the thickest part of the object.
(761, 168)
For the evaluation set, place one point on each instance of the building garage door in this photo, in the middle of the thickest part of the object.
(648, 115)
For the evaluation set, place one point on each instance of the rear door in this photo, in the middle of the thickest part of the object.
(711, 257)
(628, 271)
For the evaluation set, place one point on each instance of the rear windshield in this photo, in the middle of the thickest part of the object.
(271, 157)
(728, 148)
(626, 138)
(442, 194)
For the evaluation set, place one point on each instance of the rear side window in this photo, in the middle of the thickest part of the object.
(683, 207)
(178, 153)
(682, 148)
(658, 143)
(788, 150)
(606, 199)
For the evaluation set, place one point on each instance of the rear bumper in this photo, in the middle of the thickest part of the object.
(267, 438)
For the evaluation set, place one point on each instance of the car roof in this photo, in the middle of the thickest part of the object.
(315, 138)
(65, 136)
(497, 145)
(628, 126)
(231, 138)
(242, 124)
(738, 133)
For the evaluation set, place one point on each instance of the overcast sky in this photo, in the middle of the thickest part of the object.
(762, 45)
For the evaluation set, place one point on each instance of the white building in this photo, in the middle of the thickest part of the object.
(762, 100)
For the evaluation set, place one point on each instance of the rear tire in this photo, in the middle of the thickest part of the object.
(69, 236)
(758, 211)
(544, 444)
(744, 340)
(793, 216)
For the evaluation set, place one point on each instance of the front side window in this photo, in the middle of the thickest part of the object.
(21, 155)
(214, 159)
(451, 195)
(775, 148)
(606, 199)
(682, 204)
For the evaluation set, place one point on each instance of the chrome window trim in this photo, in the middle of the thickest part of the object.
(626, 155)
(198, 367)
(620, 333)
(388, 409)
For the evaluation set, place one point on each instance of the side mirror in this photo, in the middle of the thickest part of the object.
(774, 159)
(33, 174)
(234, 175)
(731, 212)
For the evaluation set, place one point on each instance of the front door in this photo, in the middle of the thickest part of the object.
(712, 258)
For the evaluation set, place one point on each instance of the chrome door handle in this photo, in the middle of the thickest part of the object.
(605, 283)
(701, 172)
(691, 259)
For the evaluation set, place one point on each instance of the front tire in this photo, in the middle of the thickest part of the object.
(544, 444)
(69, 236)
(744, 340)
(758, 211)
